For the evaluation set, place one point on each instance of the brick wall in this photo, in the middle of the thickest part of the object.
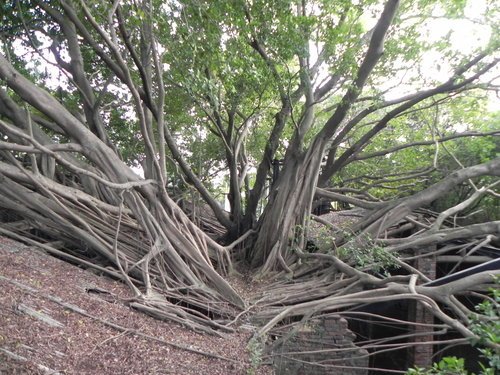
(421, 355)
(309, 350)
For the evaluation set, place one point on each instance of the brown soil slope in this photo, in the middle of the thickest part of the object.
(56, 318)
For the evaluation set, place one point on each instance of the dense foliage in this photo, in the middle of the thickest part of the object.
(127, 128)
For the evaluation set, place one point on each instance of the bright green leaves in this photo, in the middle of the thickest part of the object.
(447, 366)
(487, 328)
(363, 252)
(281, 27)
(409, 155)
(341, 31)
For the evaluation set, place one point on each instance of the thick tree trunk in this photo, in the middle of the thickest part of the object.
(290, 201)
(284, 222)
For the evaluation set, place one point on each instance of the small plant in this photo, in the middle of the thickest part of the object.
(487, 327)
(325, 240)
(447, 366)
(363, 251)
(255, 348)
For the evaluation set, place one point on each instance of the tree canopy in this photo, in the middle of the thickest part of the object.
(126, 127)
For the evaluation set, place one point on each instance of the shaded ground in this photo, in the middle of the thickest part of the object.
(36, 287)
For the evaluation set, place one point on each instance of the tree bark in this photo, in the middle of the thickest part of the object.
(291, 198)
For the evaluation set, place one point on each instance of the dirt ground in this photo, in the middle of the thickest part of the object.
(56, 318)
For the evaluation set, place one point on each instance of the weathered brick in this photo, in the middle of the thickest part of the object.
(321, 335)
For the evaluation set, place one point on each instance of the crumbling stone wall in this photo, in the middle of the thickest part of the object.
(309, 350)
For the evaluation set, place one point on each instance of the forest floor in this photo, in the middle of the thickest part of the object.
(56, 318)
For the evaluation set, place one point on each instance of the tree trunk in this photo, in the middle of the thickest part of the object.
(283, 224)
(290, 202)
